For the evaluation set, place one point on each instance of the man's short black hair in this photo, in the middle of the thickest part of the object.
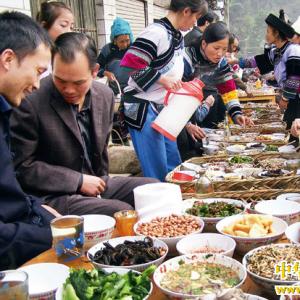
(70, 43)
(21, 34)
(210, 17)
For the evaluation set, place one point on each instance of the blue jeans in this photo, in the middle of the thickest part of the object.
(157, 154)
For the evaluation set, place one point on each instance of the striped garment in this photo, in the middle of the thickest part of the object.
(286, 65)
(215, 77)
(155, 52)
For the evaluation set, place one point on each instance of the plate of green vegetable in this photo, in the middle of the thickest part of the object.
(106, 284)
(212, 210)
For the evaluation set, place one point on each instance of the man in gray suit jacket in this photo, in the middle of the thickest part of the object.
(60, 135)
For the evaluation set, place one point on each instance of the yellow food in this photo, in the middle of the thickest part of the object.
(251, 226)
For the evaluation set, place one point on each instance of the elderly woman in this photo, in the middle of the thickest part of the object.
(112, 53)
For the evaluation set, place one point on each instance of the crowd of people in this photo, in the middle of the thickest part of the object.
(54, 133)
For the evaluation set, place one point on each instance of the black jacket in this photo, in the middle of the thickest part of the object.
(24, 224)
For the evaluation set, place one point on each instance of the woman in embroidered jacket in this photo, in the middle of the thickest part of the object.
(284, 59)
(207, 62)
(156, 64)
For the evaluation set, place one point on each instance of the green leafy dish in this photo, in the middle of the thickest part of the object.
(99, 285)
(214, 209)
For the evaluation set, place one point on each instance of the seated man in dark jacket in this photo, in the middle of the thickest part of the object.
(61, 132)
(24, 222)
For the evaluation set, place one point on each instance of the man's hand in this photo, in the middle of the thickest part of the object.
(92, 185)
(109, 75)
(195, 132)
(170, 83)
(295, 130)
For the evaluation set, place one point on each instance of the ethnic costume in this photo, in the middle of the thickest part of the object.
(286, 65)
(157, 51)
(218, 78)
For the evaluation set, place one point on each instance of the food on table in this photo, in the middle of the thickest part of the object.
(273, 163)
(255, 146)
(274, 173)
(232, 176)
(214, 210)
(199, 278)
(128, 253)
(241, 160)
(262, 262)
(170, 226)
(96, 284)
(252, 226)
(207, 249)
(236, 148)
(264, 138)
(272, 148)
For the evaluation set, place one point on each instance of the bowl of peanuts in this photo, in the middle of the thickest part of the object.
(169, 228)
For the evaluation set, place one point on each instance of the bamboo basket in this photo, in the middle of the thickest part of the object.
(247, 196)
(281, 182)
(260, 128)
(266, 142)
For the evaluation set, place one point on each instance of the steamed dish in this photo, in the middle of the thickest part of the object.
(199, 278)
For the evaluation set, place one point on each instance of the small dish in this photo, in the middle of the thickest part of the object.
(274, 173)
(44, 279)
(290, 197)
(288, 211)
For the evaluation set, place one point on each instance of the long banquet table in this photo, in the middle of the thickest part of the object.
(49, 256)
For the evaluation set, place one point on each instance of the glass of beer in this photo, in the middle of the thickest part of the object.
(68, 237)
(13, 285)
(125, 220)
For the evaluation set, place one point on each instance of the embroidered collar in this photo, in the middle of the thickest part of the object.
(282, 49)
(278, 52)
(176, 34)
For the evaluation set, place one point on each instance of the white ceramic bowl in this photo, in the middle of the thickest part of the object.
(120, 240)
(174, 263)
(245, 244)
(210, 149)
(288, 211)
(287, 149)
(97, 228)
(210, 223)
(290, 197)
(170, 241)
(235, 149)
(215, 240)
(267, 284)
(215, 137)
(120, 271)
(293, 233)
(247, 172)
(44, 279)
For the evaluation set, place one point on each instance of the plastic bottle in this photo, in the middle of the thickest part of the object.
(204, 185)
